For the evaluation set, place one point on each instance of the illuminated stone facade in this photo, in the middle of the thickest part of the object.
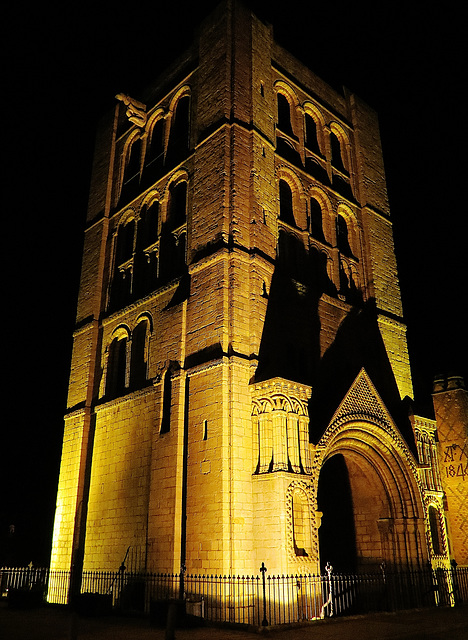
(451, 412)
(240, 330)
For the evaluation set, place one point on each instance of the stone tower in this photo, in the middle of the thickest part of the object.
(240, 351)
(451, 411)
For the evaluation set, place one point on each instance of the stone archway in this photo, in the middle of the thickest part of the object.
(385, 498)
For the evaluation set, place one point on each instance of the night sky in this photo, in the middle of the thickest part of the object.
(63, 65)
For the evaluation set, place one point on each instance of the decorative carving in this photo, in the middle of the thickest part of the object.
(136, 111)
(303, 489)
(363, 403)
(280, 421)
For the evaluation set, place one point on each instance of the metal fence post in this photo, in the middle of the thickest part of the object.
(263, 569)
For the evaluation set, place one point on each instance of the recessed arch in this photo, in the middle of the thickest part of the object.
(178, 125)
(318, 194)
(120, 332)
(155, 141)
(158, 114)
(145, 317)
(287, 176)
(128, 215)
(150, 197)
(302, 535)
(124, 237)
(149, 218)
(116, 363)
(387, 503)
(130, 166)
(287, 92)
(134, 137)
(182, 92)
(347, 231)
(181, 175)
(140, 350)
(340, 155)
(312, 111)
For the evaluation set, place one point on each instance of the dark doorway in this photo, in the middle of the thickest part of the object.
(337, 537)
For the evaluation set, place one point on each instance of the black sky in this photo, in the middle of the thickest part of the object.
(63, 65)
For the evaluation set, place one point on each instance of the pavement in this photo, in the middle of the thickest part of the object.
(52, 623)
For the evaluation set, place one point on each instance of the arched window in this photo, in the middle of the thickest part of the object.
(177, 205)
(121, 287)
(147, 252)
(316, 220)
(155, 149)
(172, 241)
(342, 236)
(180, 131)
(131, 174)
(311, 140)
(336, 153)
(301, 524)
(292, 256)
(148, 225)
(125, 239)
(286, 212)
(284, 115)
(154, 161)
(117, 367)
(319, 278)
(138, 362)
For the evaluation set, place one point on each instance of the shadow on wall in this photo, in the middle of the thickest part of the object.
(358, 344)
(290, 344)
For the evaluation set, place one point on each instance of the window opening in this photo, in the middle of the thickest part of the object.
(132, 167)
(180, 128)
(131, 177)
(154, 161)
(342, 236)
(301, 524)
(311, 140)
(177, 205)
(138, 364)
(116, 367)
(316, 220)
(336, 153)
(286, 203)
(148, 226)
(125, 238)
(284, 115)
(156, 147)
(121, 287)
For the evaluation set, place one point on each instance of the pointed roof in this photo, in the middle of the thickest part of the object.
(363, 403)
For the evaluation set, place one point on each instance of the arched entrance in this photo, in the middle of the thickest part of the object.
(370, 499)
(337, 534)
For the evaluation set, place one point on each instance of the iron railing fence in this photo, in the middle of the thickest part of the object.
(22, 578)
(257, 599)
